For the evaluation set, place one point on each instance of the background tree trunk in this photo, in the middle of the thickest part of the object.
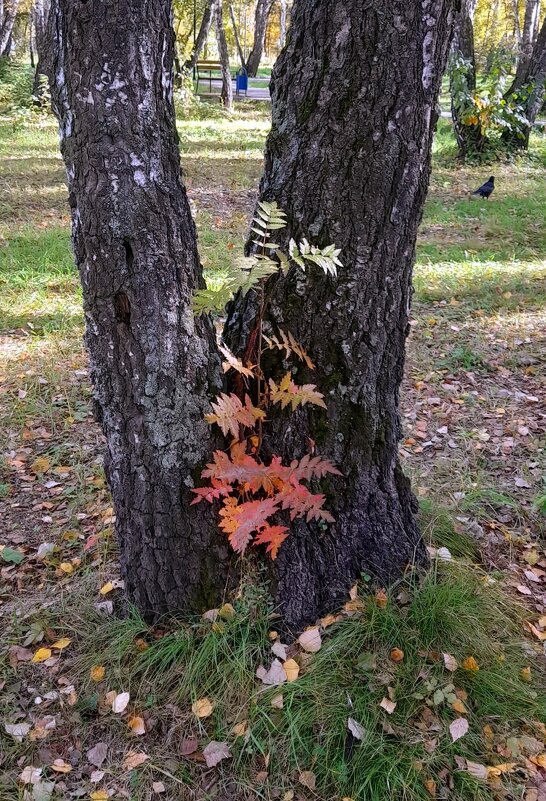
(7, 21)
(40, 13)
(261, 18)
(470, 139)
(227, 84)
(282, 22)
(529, 35)
(528, 89)
(202, 36)
(348, 159)
(238, 45)
(152, 363)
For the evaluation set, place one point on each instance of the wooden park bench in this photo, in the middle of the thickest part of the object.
(208, 71)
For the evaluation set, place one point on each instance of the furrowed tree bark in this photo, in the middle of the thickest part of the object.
(202, 36)
(227, 85)
(261, 18)
(7, 21)
(528, 90)
(152, 364)
(348, 159)
(470, 139)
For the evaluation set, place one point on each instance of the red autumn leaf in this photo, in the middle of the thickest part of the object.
(303, 503)
(273, 537)
(312, 467)
(239, 469)
(239, 521)
(211, 493)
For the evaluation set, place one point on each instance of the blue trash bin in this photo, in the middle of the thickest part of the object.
(242, 81)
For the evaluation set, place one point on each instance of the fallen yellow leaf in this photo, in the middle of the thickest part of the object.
(525, 674)
(66, 567)
(64, 642)
(430, 786)
(226, 612)
(539, 760)
(202, 708)
(489, 735)
(97, 673)
(498, 770)
(106, 588)
(470, 664)
(99, 795)
(239, 730)
(292, 669)
(354, 606)
(41, 655)
(61, 766)
(540, 635)
(41, 465)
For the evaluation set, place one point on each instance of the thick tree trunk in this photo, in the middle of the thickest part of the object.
(528, 90)
(227, 84)
(261, 18)
(470, 140)
(528, 39)
(152, 363)
(202, 36)
(348, 159)
(7, 21)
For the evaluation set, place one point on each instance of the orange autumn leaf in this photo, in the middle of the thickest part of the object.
(381, 599)
(228, 412)
(273, 537)
(136, 725)
(287, 393)
(96, 673)
(397, 655)
(470, 664)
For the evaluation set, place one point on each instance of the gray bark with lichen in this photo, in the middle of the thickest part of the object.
(152, 364)
(7, 21)
(348, 159)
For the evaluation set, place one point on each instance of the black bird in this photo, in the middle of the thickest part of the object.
(486, 189)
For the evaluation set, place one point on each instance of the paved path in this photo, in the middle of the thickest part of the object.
(253, 92)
